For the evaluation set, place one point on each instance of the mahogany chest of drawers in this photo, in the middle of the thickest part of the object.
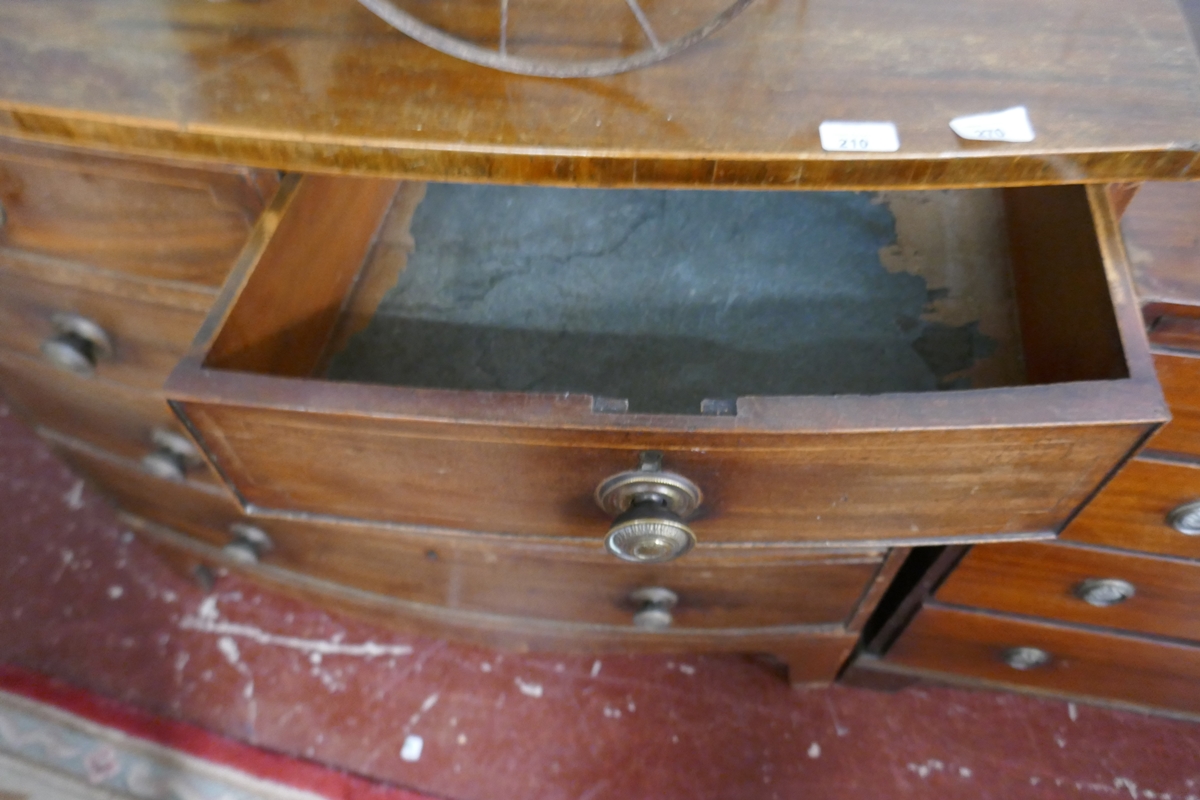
(1106, 613)
(190, 251)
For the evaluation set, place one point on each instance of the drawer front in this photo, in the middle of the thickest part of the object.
(143, 218)
(575, 582)
(148, 334)
(1180, 379)
(1092, 664)
(812, 656)
(124, 421)
(199, 509)
(1140, 594)
(817, 488)
(1133, 510)
(563, 581)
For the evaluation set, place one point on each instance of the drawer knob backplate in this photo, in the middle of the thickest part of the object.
(78, 343)
(1104, 592)
(654, 607)
(1025, 657)
(1186, 518)
(650, 506)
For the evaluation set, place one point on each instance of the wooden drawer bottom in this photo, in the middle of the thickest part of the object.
(956, 644)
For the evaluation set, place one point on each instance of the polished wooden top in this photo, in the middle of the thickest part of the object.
(1112, 87)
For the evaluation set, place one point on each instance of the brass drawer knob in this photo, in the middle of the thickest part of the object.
(1104, 592)
(249, 543)
(1186, 518)
(1025, 657)
(172, 456)
(78, 343)
(650, 506)
(654, 607)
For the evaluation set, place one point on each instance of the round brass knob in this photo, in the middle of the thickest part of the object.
(1104, 592)
(173, 455)
(654, 607)
(248, 545)
(1186, 518)
(649, 534)
(650, 506)
(77, 345)
(1025, 657)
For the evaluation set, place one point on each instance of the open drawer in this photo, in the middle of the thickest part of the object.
(760, 345)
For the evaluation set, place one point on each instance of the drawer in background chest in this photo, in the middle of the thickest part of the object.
(855, 462)
(1084, 586)
(86, 322)
(1007, 652)
(1179, 374)
(560, 581)
(140, 217)
(133, 423)
(1149, 506)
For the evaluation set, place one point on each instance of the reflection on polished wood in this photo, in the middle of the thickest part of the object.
(1113, 89)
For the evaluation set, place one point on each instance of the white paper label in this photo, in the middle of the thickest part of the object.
(859, 137)
(1009, 125)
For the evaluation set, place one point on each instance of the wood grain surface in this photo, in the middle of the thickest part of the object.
(1113, 89)
(1162, 233)
(162, 221)
(1040, 579)
(149, 331)
(1179, 375)
(110, 415)
(1131, 512)
(819, 488)
(283, 322)
(953, 644)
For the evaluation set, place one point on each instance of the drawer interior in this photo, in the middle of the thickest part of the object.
(683, 301)
(1055, 389)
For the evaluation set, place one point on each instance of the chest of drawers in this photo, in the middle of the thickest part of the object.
(768, 515)
(1065, 617)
